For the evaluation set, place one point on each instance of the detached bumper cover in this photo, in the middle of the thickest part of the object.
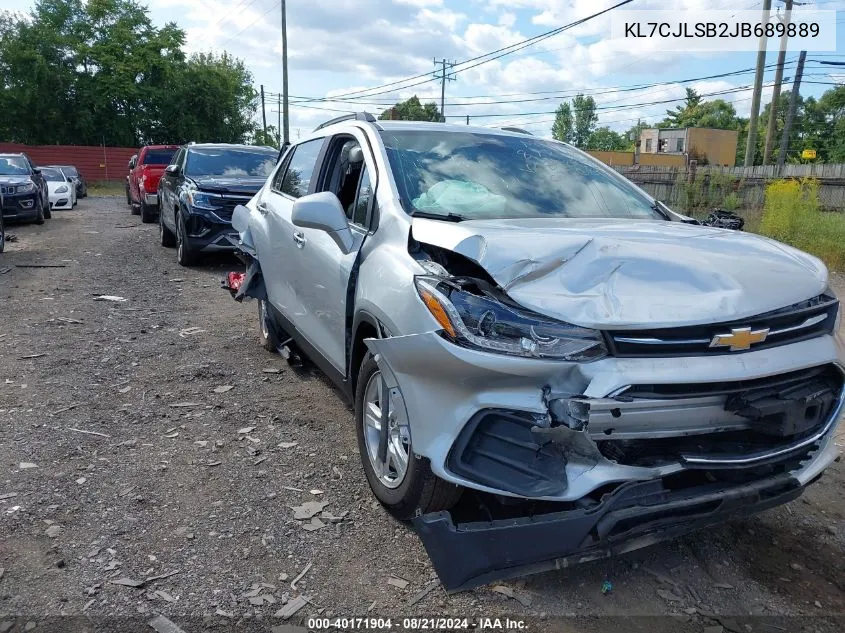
(635, 515)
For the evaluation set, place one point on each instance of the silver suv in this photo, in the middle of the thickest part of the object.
(518, 324)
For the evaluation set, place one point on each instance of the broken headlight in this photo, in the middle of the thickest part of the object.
(479, 321)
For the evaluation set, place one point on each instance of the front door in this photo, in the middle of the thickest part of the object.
(320, 271)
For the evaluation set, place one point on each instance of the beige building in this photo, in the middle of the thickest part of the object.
(706, 145)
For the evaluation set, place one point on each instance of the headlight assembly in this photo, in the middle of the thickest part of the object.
(200, 200)
(62, 189)
(481, 322)
(26, 187)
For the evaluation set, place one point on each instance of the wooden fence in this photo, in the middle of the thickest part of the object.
(95, 163)
(687, 187)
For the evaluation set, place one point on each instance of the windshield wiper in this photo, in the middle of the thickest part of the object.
(447, 217)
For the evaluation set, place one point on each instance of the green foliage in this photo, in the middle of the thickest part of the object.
(792, 214)
(717, 114)
(77, 72)
(732, 201)
(412, 110)
(632, 136)
(562, 128)
(271, 137)
(585, 119)
(710, 189)
(605, 139)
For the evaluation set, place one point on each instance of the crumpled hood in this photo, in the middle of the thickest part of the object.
(632, 273)
(238, 185)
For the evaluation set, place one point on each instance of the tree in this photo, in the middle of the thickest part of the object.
(585, 119)
(412, 110)
(562, 129)
(681, 112)
(717, 114)
(99, 71)
(606, 140)
(271, 137)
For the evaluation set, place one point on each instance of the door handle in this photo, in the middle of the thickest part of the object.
(262, 208)
(299, 238)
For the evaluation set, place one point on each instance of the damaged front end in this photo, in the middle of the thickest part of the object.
(250, 283)
(571, 450)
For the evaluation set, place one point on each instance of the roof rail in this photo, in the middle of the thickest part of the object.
(357, 116)
(519, 130)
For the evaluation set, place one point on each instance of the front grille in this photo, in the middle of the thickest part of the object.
(229, 203)
(7, 190)
(794, 323)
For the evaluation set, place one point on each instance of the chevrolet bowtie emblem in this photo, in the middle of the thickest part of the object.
(740, 338)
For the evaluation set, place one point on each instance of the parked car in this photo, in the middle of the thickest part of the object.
(2, 226)
(61, 189)
(200, 189)
(144, 174)
(78, 179)
(515, 320)
(21, 186)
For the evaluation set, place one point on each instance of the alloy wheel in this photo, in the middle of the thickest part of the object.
(392, 469)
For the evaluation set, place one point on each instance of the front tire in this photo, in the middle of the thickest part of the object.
(402, 482)
(185, 255)
(39, 216)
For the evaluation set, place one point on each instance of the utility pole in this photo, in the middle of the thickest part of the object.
(263, 112)
(773, 109)
(467, 119)
(286, 137)
(443, 77)
(758, 88)
(279, 128)
(793, 106)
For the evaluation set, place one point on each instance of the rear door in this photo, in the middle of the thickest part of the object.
(167, 192)
(318, 269)
(274, 243)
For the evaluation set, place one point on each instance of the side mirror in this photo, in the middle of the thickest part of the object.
(70, 179)
(323, 211)
(36, 170)
(172, 169)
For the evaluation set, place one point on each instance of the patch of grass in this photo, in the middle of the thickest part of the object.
(107, 188)
(792, 214)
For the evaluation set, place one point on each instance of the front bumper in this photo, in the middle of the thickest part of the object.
(209, 233)
(635, 515)
(577, 498)
(20, 207)
(61, 200)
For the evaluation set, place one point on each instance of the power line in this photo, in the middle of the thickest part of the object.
(497, 54)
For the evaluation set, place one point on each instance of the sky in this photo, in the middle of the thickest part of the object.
(336, 47)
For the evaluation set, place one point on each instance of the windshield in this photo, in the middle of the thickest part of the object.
(70, 171)
(52, 175)
(158, 156)
(492, 176)
(13, 166)
(230, 162)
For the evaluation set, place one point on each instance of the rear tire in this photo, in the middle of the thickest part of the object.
(128, 197)
(420, 491)
(268, 331)
(2, 232)
(165, 237)
(48, 213)
(147, 216)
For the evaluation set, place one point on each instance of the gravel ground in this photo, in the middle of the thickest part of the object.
(153, 442)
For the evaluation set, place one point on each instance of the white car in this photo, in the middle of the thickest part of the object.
(61, 188)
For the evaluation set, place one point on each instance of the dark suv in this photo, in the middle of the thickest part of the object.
(199, 190)
(23, 189)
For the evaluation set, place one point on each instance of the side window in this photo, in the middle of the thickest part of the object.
(362, 199)
(177, 159)
(279, 176)
(300, 169)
